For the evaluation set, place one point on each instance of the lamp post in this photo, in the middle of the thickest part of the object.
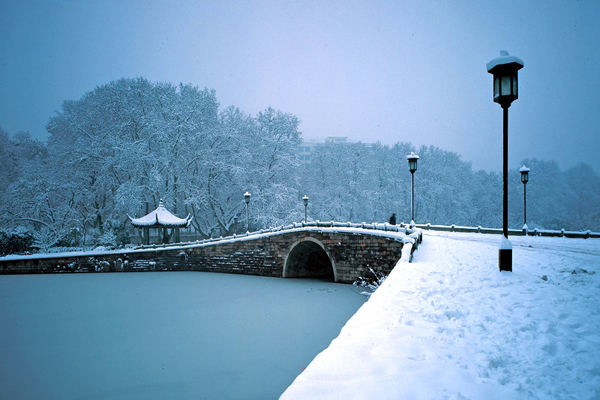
(505, 71)
(247, 198)
(305, 199)
(412, 167)
(524, 178)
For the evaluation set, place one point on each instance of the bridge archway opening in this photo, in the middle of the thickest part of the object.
(308, 258)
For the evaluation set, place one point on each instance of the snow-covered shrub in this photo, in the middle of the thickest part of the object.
(122, 236)
(46, 238)
(371, 283)
(107, 238)
(18, 241)
(71, 239)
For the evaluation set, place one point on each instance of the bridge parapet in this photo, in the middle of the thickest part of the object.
(512, 232)
(401, 228)
(339, 251)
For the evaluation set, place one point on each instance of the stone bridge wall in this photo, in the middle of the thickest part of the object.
(348, 255)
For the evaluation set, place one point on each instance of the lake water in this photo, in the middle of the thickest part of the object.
(163, 335)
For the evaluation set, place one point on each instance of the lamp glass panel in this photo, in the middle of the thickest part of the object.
(496, 86)
(412, 164)
(505, 86)
(514, 86)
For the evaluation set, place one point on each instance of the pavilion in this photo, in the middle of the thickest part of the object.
(161, 218)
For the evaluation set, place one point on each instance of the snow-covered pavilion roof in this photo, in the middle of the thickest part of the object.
(161, 217)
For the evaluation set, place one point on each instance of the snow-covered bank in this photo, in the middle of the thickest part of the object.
(450, 326)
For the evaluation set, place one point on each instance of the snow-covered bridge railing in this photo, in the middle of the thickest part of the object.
(512, 232)
(401, 228)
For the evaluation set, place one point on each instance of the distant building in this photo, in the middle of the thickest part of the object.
(336, 139)
(305, 150)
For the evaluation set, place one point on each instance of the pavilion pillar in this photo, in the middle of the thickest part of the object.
(146, 236)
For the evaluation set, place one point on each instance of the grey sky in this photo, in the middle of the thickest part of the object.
(371, 70)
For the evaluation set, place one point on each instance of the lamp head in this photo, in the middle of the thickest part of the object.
(505, 70)
(412, 162)
(524, 174)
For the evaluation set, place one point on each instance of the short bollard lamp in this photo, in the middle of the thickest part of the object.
(247, 198)
(524, 178)
(412, 167)
(505, 71)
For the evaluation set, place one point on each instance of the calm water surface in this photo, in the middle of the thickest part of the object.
(171, 335)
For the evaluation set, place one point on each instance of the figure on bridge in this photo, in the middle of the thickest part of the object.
(393, 219)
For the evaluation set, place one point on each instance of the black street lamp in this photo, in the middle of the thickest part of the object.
(305, 199)
(412, 167)
(505, 70)
(247, 198)
(524, 178)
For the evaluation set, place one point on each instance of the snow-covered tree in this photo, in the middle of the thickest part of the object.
(338, 182)
(272, 170)
(548, 196)
(442, 191)
(129, 143)
(217, 174)
(584, 208)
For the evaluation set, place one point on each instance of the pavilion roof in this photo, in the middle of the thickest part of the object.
(161, 217)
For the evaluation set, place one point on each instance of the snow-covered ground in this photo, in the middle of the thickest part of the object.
(449, 325)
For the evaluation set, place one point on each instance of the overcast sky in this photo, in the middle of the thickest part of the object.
(370, 70)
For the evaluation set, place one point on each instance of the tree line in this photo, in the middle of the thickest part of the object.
(358, 182)
(121, 147)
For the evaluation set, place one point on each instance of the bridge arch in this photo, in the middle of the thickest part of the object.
(308, 257)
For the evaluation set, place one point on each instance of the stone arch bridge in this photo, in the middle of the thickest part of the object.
(340, 252)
